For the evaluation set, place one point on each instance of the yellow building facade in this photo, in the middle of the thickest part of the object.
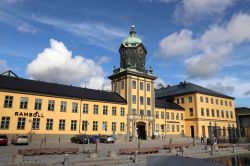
(133, 108)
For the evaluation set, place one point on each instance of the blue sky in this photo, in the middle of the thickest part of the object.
(76, 42)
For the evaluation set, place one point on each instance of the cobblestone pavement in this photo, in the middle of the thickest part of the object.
(7, 152)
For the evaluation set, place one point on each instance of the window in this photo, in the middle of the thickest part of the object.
(122, 84)
(122, 111)
(168, 128)
(5, 122)
(85, 109)
(105, 110)
(133, 111)
(173, 128)
(122, 126)
(162, 128)
(105, 126)
(95, 111)
(113, 111)
(208, 113)
(142, 112)
(227, 115)
(181, 116)
(134, 99)
(157, 114)
(38, 104)
(206, 99)
(178, 128)
(221, 102)
(21, 123)
(212, 112)
(35, 123)
(115, 86)
(23, 103)
(162, 115)
(148, 87)
(167, 115)
(62, 124)
(95, 125)
(141, 100)
(73, 125)
(74, 107)
(141, 85)
(49, 124)
(222, 113)
(201, 99)
(157, 128)
(212, 101)
(218, 113)
(134, 84)
(231, 114)
(63, 106)
(8, 101)
(172, 116)
(217, 101)
(177, 101)
(190, 99)
(51, 105)
(182, 101)
(202, 111)
(230, 103)
(177, 116)
(113, 126)
(225, 102)
(84, 125)
(191, 111)
(149, 112)
(148, 101)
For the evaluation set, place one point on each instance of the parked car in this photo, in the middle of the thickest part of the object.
(94, 138)
(20, 140)
(3, 139)
(107, 139)
(80, 139)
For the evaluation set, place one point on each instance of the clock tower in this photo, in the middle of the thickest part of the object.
(135, 83)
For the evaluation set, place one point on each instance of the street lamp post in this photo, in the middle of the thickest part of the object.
(31, 123)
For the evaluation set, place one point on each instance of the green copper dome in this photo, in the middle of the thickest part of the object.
(132, 40)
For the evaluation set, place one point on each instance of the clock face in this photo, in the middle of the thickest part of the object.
(140, 50)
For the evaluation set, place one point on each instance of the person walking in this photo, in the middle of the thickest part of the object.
(202, 139)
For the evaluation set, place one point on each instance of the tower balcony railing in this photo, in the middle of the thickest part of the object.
(141, 117)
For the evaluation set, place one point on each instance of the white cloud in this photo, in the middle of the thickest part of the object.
(229, 85)
(99, 34)
(196, 10)
(26, 28)
(56, 64)
(177, 44)
(160, 81)
(3, 66)
(208, 52)
(104, 59)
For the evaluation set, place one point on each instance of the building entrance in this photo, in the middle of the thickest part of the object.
(141, 130)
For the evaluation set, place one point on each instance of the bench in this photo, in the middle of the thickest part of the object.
(46, 151)
(173, 146)
(128, 151)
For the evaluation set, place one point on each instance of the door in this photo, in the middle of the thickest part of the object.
(141, 130)
(192, 131)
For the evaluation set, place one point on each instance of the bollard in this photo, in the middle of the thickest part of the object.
(182, 151)
(17, 160)
(212, 150)
(139, 143)
(194, 142)
(66, 160)
(135, 157)
(97, 146)
(234, 149)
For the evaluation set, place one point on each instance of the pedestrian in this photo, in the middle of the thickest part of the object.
(202, 139)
